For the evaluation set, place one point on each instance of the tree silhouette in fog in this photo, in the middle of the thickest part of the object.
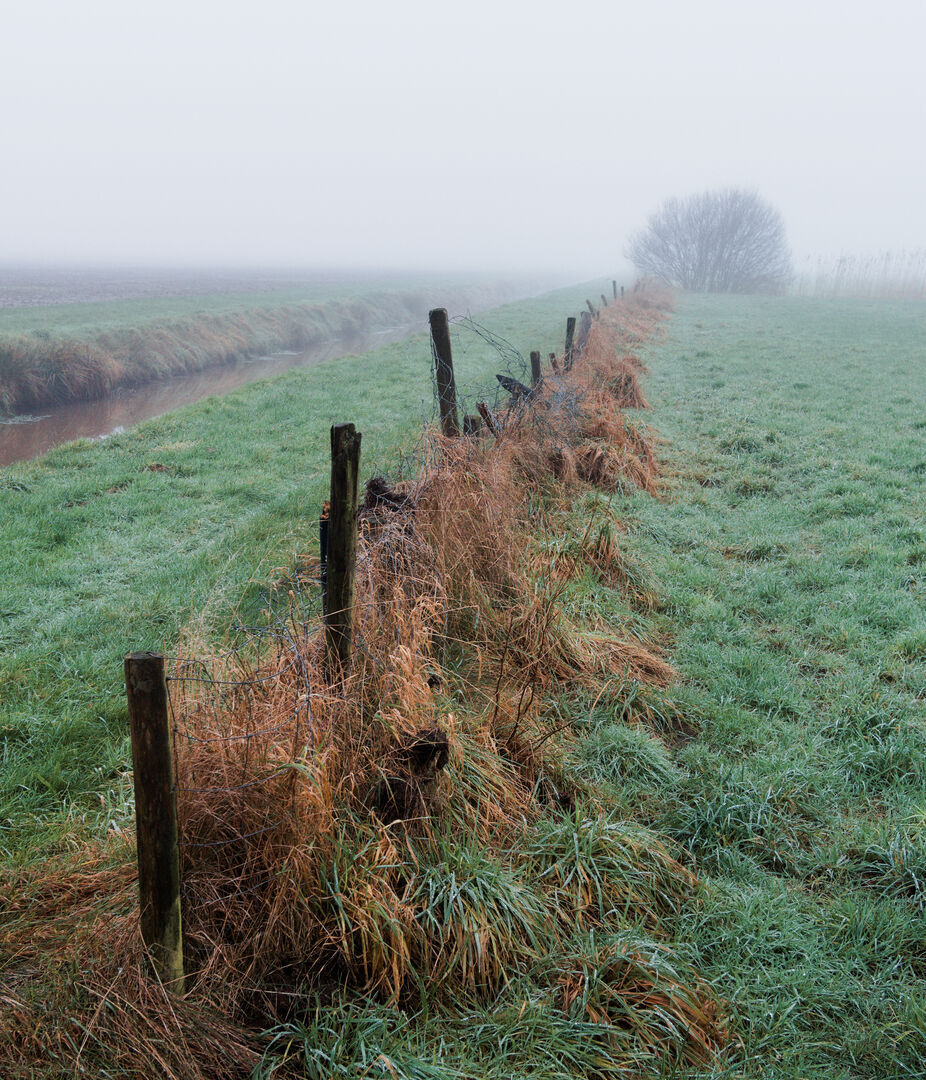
(719, 241)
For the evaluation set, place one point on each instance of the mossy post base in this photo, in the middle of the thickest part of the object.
(342, 551)
(155, 816)
(443, 372)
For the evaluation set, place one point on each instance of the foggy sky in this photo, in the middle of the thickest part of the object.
(487, 135)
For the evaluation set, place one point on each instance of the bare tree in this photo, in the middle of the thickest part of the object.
(720, 241)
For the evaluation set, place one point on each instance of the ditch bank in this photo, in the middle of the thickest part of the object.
(40, 370)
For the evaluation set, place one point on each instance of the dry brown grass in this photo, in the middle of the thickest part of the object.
(315, 842)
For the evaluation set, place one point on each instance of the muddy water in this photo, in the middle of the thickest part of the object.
(24, 437)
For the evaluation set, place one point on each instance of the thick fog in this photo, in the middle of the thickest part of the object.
(492, 134)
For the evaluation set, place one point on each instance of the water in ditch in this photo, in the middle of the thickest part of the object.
(24, 437)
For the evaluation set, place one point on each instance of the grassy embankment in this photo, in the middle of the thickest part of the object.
(74, 352)
(105, 554)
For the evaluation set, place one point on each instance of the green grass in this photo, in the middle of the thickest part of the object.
(104, 555)
(789, 558)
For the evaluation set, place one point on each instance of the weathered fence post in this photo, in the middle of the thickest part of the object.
(155, 816)
(585, 328)
(570, 335)
(622, 292)
(604, 302)
(489, 419)
(323, 552)
(342, 550)
(591, 309)
(536, 375)
(614, 289)
(443, 370)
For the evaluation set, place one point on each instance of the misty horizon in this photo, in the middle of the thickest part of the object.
(495, 139)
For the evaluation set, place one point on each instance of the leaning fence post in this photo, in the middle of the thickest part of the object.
(591, 309)
(570, 335)
(535, 369)
(155, 816)
(489, 419)
(342, 550)
(443, 370)
(604, 302)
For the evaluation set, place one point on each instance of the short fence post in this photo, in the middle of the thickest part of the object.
(489, 419)
(570, 335)
(155, 816)
(591, 309)
(443, 370)
(536, 375)
(342, 550)
(604, 302)
(614, 288)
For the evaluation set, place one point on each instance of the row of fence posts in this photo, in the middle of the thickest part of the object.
(146, 676)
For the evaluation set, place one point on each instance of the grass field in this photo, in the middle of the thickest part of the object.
(105, 554)
(789, 553)
(781, 569)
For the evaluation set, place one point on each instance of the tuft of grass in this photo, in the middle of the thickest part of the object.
(618, 753)
(601, 867)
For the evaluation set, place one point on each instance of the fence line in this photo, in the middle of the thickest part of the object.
(170, 695)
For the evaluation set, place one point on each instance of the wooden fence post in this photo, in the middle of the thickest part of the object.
(622, 292)
(323, 552)
(489, 419)
(591, 309)
(570, 335)
(155, 816)
(342, 550)
(535, 369)
(604, 301)
(585, 328)
(443, 370)
(614, 289)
